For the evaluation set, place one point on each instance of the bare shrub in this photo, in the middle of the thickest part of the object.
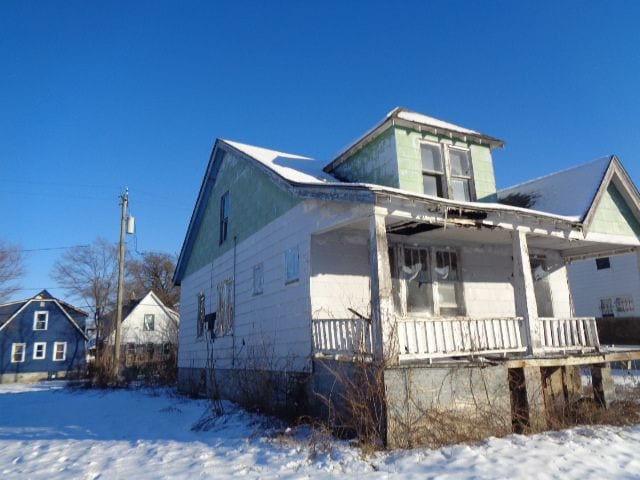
(356, 403)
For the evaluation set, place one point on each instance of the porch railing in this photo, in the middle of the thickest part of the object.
(562, 334)
(342, 337)
(459, 336)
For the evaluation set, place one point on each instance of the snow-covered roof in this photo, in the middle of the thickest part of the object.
(568, 193)
(430, 121)
(295, 168)
(401, 114)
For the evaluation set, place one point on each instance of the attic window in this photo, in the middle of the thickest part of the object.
(224, 216)
(446, 171)
(40, 320)
(149, 321)
(460, 174)
(432, 169)
(603, 263)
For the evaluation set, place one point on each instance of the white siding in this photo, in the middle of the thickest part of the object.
(589, 285)
(487, 274)
(274, 325)
(165, 327)
(340, 275)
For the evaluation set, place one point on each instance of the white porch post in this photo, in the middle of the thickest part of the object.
(525, 297)
(384, 342)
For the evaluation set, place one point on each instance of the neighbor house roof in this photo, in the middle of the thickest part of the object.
(10, 311)
(569, 193)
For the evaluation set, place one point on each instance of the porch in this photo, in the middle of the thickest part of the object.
(454, 337)
(436, 289)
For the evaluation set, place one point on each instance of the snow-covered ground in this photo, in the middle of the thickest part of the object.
(51, 432)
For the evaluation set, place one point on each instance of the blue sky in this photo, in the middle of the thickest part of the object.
(98, 96)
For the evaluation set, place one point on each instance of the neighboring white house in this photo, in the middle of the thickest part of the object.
(397, 250)
(148, 327)
(606, 286)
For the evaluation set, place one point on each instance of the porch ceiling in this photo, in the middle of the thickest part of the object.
(571, 248)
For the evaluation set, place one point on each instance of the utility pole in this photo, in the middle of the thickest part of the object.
(124, 203)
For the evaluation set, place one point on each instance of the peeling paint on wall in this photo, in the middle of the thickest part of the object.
(255, 201)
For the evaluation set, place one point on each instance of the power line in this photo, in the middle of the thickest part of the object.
(52, 248)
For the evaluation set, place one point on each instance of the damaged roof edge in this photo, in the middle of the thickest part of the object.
(438, 127)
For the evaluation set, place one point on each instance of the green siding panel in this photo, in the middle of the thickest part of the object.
(374, 163)
(410, 164)
(613, 215)
(255, 201)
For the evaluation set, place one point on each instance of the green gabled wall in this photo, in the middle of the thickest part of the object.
(410, 163)
(255, 201)
(374, 163)
(613, 215)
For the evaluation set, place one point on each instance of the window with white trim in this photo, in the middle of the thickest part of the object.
(39, 350)
(446, 171)
(426, 280)
(148, 324)
(40, 320)
(258, 278)
(59, 351)
(460, 162)
(18, 352)
(433, 179)
(291, 265)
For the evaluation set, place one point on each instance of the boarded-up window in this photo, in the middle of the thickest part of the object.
(291, 265)
(258, 278)
(224, 317)
(201, 315)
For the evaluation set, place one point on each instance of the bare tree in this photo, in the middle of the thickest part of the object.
(154, 271)
(11, 269)
(90, 274)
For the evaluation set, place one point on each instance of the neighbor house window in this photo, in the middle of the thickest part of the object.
(148, 323)
(426, 280)
(603, 263)
(201, 315)
(40, 320)
(131, 349)
(39, 350)
(606, 307)
(291, 265)
(224, 315)
(460, 162)
(432, 169)
(59, 351)
(224, 216)
(258, 278)
(18, 352)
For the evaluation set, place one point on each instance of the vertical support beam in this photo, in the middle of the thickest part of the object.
(525, 296)
(535, 399)
(604, 392)
(382, 318)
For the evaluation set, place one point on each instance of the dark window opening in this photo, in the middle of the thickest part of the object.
(602, 263)
(224, 216)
